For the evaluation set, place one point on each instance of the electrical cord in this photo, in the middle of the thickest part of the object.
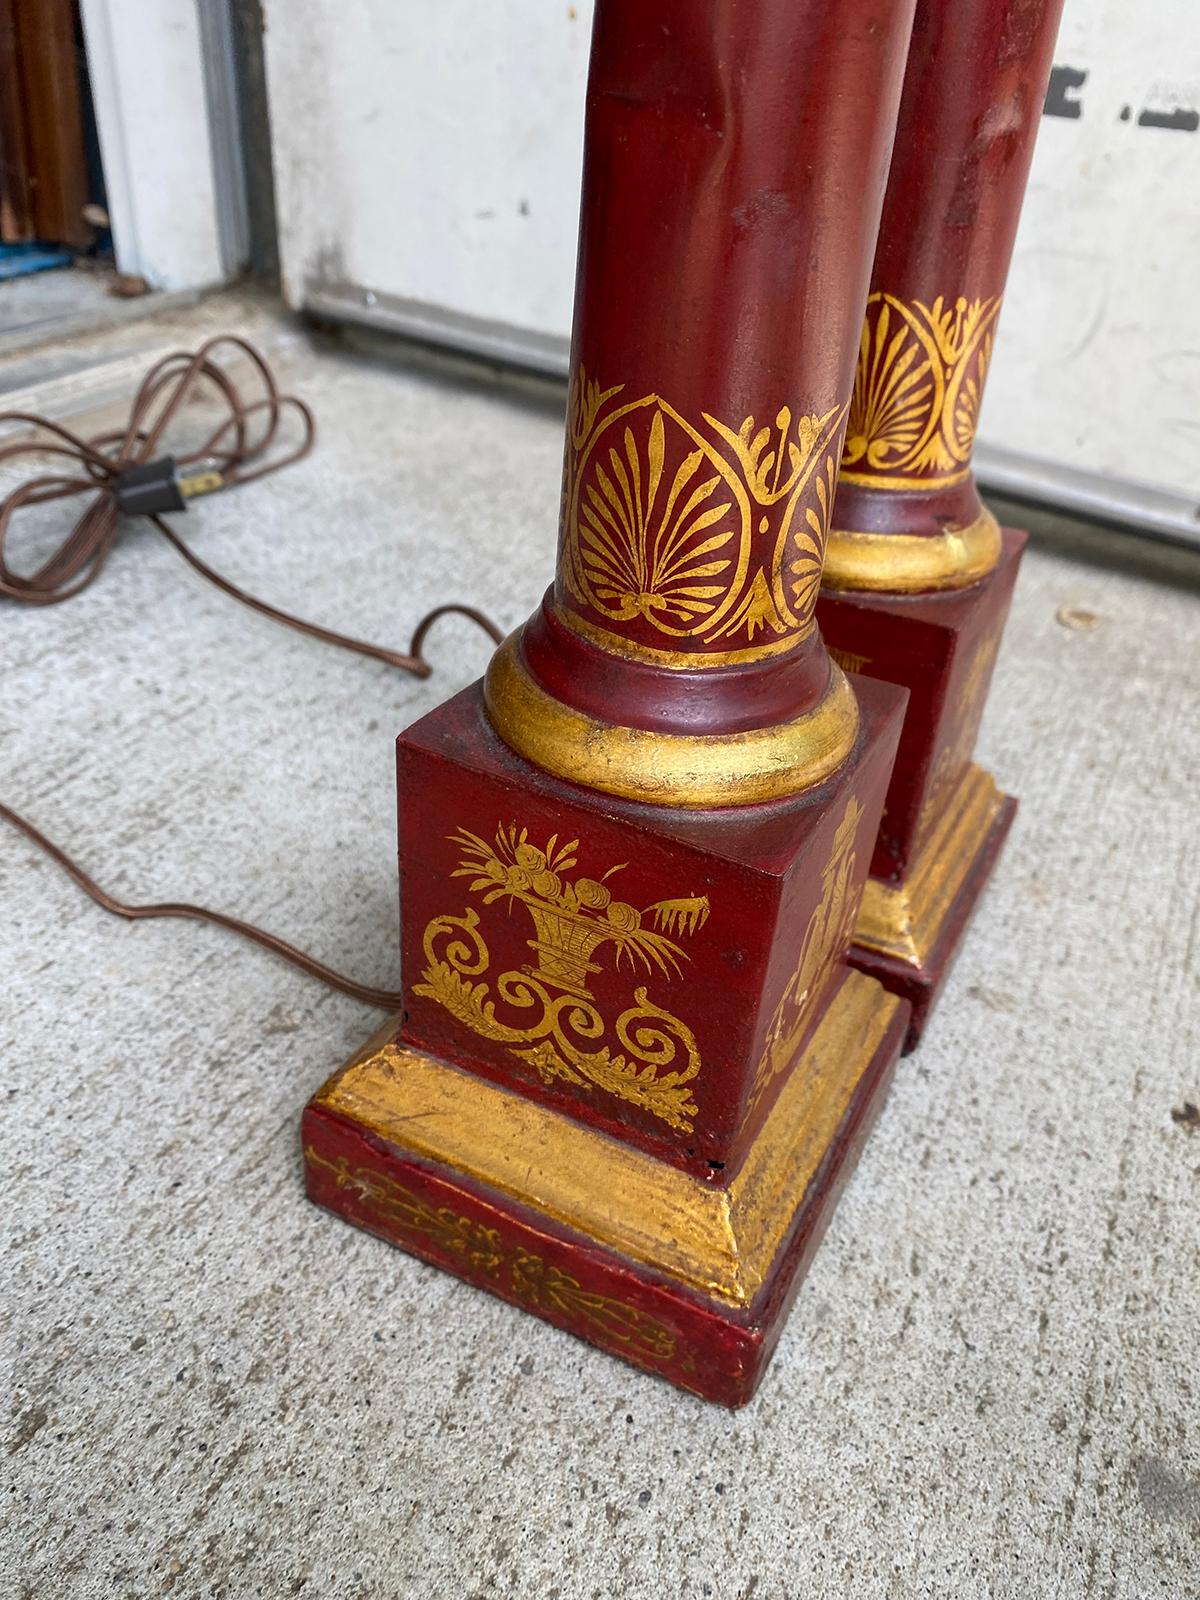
(388, 998)
(121, 473)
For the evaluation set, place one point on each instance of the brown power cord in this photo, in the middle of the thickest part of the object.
(232, 454)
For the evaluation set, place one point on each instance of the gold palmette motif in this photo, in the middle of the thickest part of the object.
(825, 940)
(540, 1286)
(575, 919)
(917, 391)
(709, 533)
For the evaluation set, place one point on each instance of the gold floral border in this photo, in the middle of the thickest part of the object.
(516, 1272)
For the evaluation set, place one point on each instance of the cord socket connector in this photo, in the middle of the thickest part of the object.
(157, 486)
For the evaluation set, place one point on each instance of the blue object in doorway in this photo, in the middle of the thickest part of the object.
(18, 260)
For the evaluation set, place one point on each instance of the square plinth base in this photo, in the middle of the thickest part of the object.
(944, 820)
(683, 1276)
(650, 971)
(907, 936)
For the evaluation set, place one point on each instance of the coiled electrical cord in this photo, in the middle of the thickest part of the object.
(123, 472)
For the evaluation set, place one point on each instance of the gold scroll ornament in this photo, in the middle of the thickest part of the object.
(549, 1018)
(825, 940)
(708, 533)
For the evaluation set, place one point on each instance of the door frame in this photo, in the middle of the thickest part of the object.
(165, 100)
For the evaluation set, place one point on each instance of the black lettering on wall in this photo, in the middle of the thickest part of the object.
(1179, 120)
(1062, 101)
(1059, 101)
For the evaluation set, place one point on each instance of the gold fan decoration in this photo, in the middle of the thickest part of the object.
(700, 531)
(917, 389)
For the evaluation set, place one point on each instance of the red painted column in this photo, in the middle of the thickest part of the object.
(735, 158)
(633, 1069)
(973, 91)
(919, 576)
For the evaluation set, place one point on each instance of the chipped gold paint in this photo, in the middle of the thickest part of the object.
(720, 1242)
(694, 770)
(910, 563)
(906, 922)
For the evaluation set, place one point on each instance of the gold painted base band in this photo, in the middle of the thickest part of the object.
(904, 482)
(683, 660)
(906, 922)
(720, 1242)
(905, 563)
(663, 769)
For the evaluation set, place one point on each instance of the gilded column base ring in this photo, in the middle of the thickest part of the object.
(908, 563)
(692, 770)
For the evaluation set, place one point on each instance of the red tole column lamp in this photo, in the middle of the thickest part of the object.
(919, 576)
(633, 1067)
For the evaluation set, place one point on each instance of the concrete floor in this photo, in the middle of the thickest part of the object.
(70, 301)
(989, 1385)
(42, 300)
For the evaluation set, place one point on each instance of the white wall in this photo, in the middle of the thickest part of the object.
(1098, 358)
(431, 154)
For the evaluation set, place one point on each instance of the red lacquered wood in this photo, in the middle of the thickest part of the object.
(734, 164)
(751, 694)
(664, 977)
(973, 90)
(921, 983)
(484, 1237)
(942, 648)
(764, 873)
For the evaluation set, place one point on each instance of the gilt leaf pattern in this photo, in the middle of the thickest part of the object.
(918, 387)
(695, 530)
